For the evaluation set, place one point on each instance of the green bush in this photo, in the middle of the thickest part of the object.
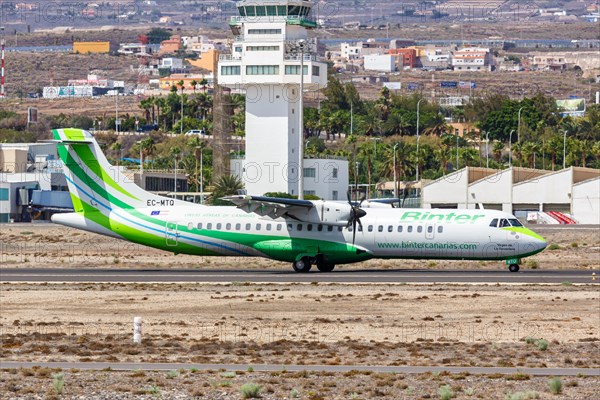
(250, 390)
(553, 246)
(58, 383)
(172, 374)
(555, 385)
(542, 344)
(446, 393)
(523, 395)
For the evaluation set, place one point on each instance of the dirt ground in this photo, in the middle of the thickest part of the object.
(487, 325)
(48, 245)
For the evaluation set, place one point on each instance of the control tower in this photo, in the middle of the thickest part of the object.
(271, 42)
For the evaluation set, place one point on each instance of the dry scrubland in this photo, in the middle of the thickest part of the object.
(397, 324)
(49, 245)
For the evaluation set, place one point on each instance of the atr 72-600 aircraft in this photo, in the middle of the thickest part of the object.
(304, 233)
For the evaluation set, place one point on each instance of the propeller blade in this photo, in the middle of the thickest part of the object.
(353, 231)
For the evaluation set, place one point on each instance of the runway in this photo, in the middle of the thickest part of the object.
(398, 276)
(405, 369)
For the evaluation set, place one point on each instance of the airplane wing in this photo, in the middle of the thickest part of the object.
(271, 206)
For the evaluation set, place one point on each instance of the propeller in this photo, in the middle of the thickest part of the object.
(356, 213)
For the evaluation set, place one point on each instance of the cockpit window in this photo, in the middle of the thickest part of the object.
(515, 222)
(504, 223)
(494, 223)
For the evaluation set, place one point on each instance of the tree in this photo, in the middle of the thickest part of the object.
(226, 186)
(157, 35)
(497, 149)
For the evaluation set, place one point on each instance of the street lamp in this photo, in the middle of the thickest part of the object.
(300, 46)
(519, 126)
(510, 148)
(457, 151)
(395, 177)
(175, 190)
(356, 182)
(375, 140)
(418, 137)
(565, 150)
(142, 185)
(487, 152)
(200, 184)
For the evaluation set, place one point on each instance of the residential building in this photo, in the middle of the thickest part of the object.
(380, 62)
(473, 59)
(92, 47)
(407, 58)
(171, 46)
(206, 60)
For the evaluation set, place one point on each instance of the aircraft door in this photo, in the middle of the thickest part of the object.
(171, 233)
(430, 231)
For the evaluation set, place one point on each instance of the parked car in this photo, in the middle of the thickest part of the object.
(195, 132)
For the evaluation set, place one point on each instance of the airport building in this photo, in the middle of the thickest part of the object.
(270, 48)
(538, 195)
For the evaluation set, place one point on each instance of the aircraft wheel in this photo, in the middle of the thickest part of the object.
(303, 265)
(325, 266)
(513, 268)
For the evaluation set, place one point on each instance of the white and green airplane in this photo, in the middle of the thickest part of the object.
(304, 233)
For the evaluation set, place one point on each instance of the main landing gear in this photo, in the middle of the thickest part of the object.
(304, 264)
(513, 267)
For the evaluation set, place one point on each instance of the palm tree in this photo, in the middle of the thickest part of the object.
(497, 149)
(148, 147)
(203, 83)
(226, 186)
(117, 147)
(146, 105)
(194, 83)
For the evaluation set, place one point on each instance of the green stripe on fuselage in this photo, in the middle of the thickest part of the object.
(524, 231)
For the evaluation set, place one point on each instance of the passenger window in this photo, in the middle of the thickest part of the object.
(350, 229)
(309, 227)
(278, 227)
(360, 228)
(380, 228)
(209, 226)
(494, 223)
(340, 228)
(419, 229)
(330, 228)
(190, 226)
(504, 223)
(410, 229)
(299, 227)
(290, 227)
(219, 226)
(440, 229)
(515, 222)
(258, 227)
(228, 227)
(430, 229)
(268, 227)
(370, 228)
(248, 227)
(399, 228)
(200, 226)
(390, 228)
(320, 228)
(238, 227)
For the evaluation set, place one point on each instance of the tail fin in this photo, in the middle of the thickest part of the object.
(91, 178)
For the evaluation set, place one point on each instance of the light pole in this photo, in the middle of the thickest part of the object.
(301, 44)
(395, 175)
(519, 126)
(565, 150)
(510, 148)
(175, 186)
(356, 181)
(456, 151)
(487, 152)
(181, 123)
(142, 185)
(375, 140)
(117, 111)
(418, 137)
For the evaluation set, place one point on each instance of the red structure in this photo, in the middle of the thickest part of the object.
(409, 56)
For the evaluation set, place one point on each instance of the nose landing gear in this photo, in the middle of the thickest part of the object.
(513, 267)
